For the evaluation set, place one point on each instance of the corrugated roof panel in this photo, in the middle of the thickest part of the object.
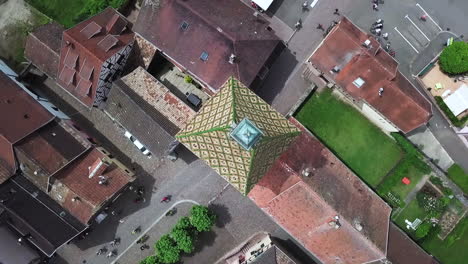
(108, 43)
(83, 87)
(67, 75)
(91, 30)
(87, 70)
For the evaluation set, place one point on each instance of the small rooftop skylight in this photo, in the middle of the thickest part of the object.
(184, 25)
(204, 56)
(358, 82)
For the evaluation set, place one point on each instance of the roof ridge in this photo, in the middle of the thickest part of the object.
(203, 132)
(204, 19)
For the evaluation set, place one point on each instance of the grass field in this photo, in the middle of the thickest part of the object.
(64, 11)
(359, 143)
(453, 250)
(400, 189)
(411, 212)
(460, 177)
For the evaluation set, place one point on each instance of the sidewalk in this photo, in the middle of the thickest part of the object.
(430, 52)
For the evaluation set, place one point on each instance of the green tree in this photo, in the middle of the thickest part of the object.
(202, 218)
(183, 223)
(184, 239)
(167, 250)
(454, 58)
(423, 230)
(150, 260)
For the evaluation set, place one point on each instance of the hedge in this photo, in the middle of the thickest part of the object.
(455, 121)
(454, 58)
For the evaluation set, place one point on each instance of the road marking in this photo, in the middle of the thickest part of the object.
(420, 31)
(427, 14)
(409, 43)
(152, 225)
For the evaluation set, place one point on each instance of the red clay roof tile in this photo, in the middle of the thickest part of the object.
(304, 206)
(400, 102)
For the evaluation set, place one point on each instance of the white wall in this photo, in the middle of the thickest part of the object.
(377, 119)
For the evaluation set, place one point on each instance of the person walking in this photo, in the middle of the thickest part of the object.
(337, 12)
(319, 26)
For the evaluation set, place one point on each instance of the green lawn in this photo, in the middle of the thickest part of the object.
(453, 250)
(411, 212)
(63, 11)
(393, 181)
(460, 177)
(359, 143)
(70, 12)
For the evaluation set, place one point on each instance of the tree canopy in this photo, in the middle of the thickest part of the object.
(202, 218)
(454, 58)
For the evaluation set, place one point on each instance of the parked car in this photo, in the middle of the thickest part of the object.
(138, 144)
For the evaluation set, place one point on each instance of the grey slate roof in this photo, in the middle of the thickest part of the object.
(30, 211)
(138, 117)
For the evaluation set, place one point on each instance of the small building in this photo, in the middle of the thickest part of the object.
(54, 156)
(261, 249)
(43, 48)
(368, 77)
(238, 135)
(145, 108)
(321, 203)
(208, 41)
(457, 102)
(19, 108)
(35, 219)
(93, 54)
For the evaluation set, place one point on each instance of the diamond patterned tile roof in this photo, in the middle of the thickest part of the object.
(208, 135)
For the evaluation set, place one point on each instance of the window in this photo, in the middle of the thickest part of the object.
(204, 56)
(184, 25)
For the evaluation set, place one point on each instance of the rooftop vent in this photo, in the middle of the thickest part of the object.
(380, 91)
(232, 58)
(336, 69)
(359, 82)
(184, 26)
(358, 226)
(220, 30)
(366, 43)
(98, 167)
(306, 172)
(102, 180)
(204, 56)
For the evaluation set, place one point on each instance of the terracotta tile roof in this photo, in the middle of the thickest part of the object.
(140, 118)
(401, 103)
(229, 27)
(73, 181)
(22, 115)
(24, 112)
(85, 48)
(50, 148)
(403, 250)
(43, 48)
(305, 206)
(158, 96)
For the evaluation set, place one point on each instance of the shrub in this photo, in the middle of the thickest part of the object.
(453, 119)
(188, 79)
(423, 230)
(432, 205)
(184, 239)
(183, 223)
(436, 180)
(167, 250)
(454, 58)
(150, 260)
(202, 218)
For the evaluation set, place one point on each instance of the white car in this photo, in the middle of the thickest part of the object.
(138, 144)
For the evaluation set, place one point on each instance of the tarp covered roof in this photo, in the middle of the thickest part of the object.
(458, 101)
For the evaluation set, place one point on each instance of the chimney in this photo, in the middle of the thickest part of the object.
(98, 168)
(232, 58)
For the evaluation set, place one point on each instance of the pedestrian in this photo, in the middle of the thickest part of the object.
(375, 7)
(319, 26)
(122, 221)
(336, 12)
